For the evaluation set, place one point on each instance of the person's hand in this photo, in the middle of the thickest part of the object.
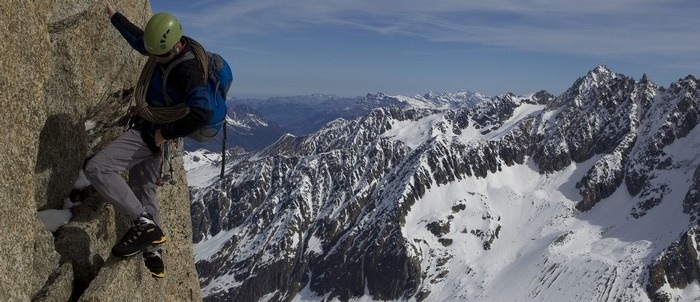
(159, 138)
(110, 9)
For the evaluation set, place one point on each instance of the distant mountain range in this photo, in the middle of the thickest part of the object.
(591, 195)
(254, 123)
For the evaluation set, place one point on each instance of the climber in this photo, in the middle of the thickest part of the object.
(174, 107)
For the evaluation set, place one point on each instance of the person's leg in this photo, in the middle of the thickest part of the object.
(142, 179)
(104, 171)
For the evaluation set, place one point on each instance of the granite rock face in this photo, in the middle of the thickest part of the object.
(66, 79)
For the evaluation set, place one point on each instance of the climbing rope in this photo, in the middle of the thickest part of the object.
(167, 114)
(158, 115)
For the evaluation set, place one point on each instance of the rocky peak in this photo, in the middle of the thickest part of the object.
(601, 71)
(459, 99)
(375, 96)
(599, 76)
(599, 84)
(644, 78)
(541, 97)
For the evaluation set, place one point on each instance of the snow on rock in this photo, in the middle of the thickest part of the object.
(53, 219)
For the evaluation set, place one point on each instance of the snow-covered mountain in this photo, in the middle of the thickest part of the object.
(587, 196)
(304, 115)
(444, 100)
(250, 129)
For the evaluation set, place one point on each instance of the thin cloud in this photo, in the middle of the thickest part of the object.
(598, 27)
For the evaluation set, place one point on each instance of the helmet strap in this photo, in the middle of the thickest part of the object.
(178, 47)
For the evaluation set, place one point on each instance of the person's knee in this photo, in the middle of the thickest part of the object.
(92, 168)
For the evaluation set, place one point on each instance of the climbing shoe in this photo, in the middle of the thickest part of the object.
(154, 263)
(144, 233)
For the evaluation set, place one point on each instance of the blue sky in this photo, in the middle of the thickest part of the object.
(408, 47)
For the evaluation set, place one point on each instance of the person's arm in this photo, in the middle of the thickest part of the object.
(110, 9)
(131, 33)
(198, 117)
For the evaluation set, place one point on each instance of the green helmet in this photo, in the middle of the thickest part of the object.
(162, 32)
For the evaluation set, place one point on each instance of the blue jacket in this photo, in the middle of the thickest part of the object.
(185, 83)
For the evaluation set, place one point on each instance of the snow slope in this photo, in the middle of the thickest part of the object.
(546, 250)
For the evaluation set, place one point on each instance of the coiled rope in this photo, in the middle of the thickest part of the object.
(168, 114)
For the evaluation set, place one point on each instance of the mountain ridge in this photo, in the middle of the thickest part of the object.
(333, 210)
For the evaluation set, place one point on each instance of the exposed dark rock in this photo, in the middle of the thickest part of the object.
(438, 228)
(677, 267)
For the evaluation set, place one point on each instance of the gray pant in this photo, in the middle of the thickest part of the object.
(104, 171)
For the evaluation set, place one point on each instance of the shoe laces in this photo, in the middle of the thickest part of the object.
(143, 221)
(131, 235)
(140, 224)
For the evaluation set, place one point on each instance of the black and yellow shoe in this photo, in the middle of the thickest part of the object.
(144, 233)
(154, 263)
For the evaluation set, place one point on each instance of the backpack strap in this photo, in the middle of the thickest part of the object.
(223, 152)
(186, 57)
(198, 53)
